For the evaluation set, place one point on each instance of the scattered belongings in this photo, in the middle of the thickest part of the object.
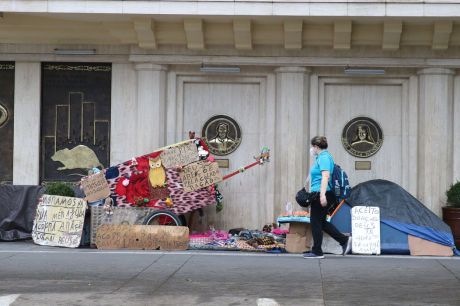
(241, 240)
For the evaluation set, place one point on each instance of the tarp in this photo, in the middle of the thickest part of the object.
(17, 211)
(400, 210)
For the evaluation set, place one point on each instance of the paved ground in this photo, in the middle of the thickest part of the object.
(37, 275)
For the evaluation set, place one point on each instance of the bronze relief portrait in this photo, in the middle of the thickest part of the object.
(362, 137)
(222, 135)
(3, 115)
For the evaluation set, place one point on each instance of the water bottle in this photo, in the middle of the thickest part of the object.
(288, 208)
(337, 189)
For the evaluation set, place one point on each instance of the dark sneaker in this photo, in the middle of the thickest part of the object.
(312, 255)
(347, 247)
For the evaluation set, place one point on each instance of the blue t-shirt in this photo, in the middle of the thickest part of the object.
(323, 162)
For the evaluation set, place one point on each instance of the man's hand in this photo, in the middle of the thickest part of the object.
(323, 200)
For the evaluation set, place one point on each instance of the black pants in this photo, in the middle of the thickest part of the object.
(319, 224)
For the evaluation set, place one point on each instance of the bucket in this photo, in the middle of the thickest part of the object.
(451, 215)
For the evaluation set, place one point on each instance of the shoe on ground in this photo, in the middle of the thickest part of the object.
(312, 255)
(347, 247)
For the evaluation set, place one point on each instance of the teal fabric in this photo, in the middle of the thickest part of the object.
(323, 162)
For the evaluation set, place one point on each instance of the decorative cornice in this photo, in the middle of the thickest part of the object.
(436, 71)
(76, 67)
(6, 66)
(292, 70)
(314, 8)
(150, 67)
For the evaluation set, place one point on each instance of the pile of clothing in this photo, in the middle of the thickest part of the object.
(240, 240)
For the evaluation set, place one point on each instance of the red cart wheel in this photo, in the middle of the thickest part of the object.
(162, 217)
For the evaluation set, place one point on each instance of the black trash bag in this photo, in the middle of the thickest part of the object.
(304, 198)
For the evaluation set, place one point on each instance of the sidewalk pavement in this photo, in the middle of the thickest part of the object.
(38, 275)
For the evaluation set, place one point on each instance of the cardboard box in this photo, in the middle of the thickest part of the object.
(296, 243)
(299, 228)
(422, 247)
(299, 239)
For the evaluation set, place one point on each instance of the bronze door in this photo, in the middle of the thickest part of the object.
(75, 122)
(6, 121)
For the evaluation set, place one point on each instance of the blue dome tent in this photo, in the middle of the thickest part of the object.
(401, 216)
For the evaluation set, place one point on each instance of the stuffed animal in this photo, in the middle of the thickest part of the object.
(157, 173)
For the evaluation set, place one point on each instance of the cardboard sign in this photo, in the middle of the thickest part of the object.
(365, 228)
(142, 237)
(95, 187)
(179, 156)
(199, 175)
(59, 221)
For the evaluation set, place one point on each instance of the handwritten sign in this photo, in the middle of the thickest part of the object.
(179, 156)
(142, 237)
(59, 221)
(199, 175)
(365, 227)
(95, 187)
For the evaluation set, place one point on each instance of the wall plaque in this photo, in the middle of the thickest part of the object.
(222, 135)
(223, 163)
(362, 137)
(363, 165)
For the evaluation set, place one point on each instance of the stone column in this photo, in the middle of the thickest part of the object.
(151, 107)
(26, 152)
(291, 134)
(123, 144)
(435, 128)
(456, 122)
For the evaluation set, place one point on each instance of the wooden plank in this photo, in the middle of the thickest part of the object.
(142, 237)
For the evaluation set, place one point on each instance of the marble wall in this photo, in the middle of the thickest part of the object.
(153, 105)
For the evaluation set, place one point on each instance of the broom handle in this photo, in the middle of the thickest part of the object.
(239, 170)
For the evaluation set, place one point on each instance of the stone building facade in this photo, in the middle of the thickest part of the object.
(292, 84)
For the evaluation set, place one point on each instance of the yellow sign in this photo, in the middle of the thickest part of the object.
(59, 221)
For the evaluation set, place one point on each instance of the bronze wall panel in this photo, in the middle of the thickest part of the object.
(6, 121)
(75, 112)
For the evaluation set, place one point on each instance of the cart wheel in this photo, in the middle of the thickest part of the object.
(162, 217)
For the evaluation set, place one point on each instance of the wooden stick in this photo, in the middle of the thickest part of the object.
(239, 170)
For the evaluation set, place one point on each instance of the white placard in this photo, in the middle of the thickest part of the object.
(365, 228)
(59, 221)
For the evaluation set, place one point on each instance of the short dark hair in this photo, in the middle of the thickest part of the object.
(319, 141)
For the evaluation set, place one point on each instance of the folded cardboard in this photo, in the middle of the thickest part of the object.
(299, 228)
(299, 238)
(422, 247)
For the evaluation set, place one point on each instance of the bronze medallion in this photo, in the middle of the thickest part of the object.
(3, 115)
(222, 135)
(362, 137)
